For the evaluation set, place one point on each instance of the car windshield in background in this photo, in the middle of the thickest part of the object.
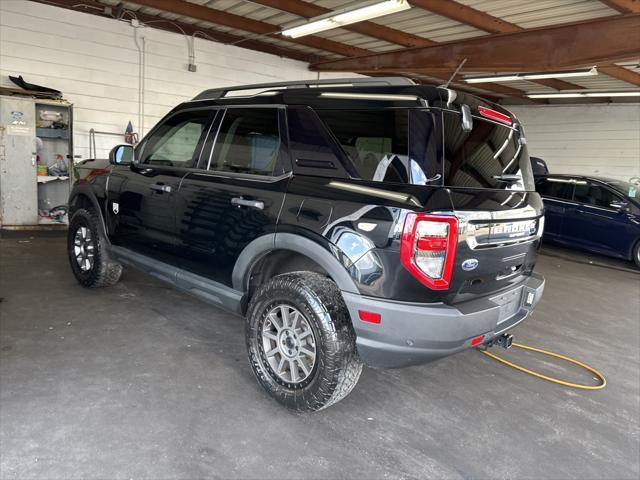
(630, 190)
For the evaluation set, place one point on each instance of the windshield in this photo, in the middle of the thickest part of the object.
(630, 190)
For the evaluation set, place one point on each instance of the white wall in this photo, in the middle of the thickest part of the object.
(95, 63)
(598, 139)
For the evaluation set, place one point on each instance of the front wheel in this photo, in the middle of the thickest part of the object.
(636, 254)
(87, 251)
(301, 343)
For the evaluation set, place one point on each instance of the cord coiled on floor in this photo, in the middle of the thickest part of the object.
(603, 381)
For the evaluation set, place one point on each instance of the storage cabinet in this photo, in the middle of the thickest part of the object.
(36, 161)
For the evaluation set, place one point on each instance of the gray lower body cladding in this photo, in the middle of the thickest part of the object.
(411, 334)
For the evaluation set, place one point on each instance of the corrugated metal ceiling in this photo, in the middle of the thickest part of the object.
(416, 21)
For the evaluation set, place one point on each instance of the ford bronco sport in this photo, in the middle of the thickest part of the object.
(349, 221)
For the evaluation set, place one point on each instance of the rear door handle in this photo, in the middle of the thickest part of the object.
(160, 187)
(241, 202)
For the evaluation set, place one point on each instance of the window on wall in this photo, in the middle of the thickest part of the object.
(177, 141)
(248, 142)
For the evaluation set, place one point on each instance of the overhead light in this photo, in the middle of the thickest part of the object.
(532, 76)
(613, 94)
(585, 94)
(496, 78)
(555, 95)
(346, 17)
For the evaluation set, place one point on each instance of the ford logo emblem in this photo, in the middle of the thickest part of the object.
(469, 264)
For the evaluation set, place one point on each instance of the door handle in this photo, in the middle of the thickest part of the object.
(159, 187)
(241, 202)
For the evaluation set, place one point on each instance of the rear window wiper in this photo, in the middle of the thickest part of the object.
(507, 178)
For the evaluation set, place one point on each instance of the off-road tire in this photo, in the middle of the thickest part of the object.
(104, 271)
(337, 366)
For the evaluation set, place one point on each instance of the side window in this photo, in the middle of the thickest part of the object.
(555, 188)
(313, 150)
(376, 141)
(595, 195)
(176, 142)
(248, 142)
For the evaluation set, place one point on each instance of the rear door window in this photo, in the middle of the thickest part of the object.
(248, 141)
(478, 158)
(595, 195)
(559, 188)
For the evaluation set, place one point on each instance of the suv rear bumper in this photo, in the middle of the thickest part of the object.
(411, 333)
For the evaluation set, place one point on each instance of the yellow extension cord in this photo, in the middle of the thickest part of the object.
(603, 381)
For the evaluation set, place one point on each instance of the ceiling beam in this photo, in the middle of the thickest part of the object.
(483, 21)
(219, 17)
(374, 30)
(467, 15)
(623, 6)
(621, 73)
(96, 8)
(556, 47)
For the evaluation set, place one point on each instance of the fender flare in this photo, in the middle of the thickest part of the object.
(262, 246)
(90, 194)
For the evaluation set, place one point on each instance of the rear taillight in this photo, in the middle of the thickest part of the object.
(428, 248)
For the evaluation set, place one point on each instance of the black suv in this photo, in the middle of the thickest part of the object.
(349, 221)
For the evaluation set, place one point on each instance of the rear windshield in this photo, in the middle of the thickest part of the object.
(488, 156)
(429, 147)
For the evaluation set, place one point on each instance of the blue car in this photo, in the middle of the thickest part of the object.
(597, 214)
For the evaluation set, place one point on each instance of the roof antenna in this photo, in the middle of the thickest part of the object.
(446, 85)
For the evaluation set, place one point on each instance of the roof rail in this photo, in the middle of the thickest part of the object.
(215, 93)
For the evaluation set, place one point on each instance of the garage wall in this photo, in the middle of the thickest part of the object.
(590, 139)
(95, 63)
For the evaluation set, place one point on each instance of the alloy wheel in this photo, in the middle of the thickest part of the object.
(289, 344)
(83, 248)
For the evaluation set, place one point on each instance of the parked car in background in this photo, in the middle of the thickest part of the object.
(597, 214)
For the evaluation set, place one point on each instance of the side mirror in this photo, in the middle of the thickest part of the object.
(121, 154)
(618, 205)
(467, 119)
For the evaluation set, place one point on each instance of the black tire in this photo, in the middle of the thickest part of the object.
(337, 366)
(636, 254)
(103, 272)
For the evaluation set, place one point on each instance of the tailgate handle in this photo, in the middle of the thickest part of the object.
(241, 202)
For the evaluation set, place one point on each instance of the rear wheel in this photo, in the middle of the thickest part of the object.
(636, 254)
(87, 251)
(300, 341)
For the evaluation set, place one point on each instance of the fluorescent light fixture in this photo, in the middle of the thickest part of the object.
(613, 94)
(555, 95)
(496, 78)
(585, 94)
(369, 96)
(346, 17)
(532, 76)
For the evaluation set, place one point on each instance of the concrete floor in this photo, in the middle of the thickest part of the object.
(141, 381)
